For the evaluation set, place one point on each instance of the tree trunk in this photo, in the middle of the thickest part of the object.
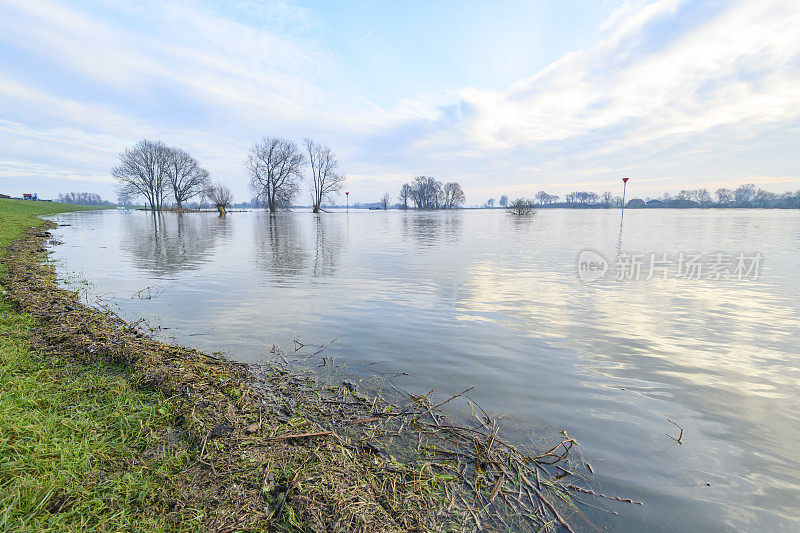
(221, 209)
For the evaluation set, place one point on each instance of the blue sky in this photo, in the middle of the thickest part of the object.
(504, 97)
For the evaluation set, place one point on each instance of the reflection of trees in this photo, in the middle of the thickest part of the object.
(281, 248)
(167, 243)
(279, 244)
(329, 243)
(428, 228)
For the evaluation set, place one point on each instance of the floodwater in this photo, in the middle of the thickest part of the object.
(478, 297)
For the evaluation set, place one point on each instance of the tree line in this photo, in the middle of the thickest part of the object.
(81, 198)
(425, 192)
(161, 174)
(747, 195)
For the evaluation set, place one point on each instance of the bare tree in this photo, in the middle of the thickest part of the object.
(124, 196)
(143, 171)
(426, 193)
(763, 198)
(724, 196)
(503, 201)
(744, 195)
(453, 195)
(275, 168)
(490, 203)
(521, 207)
(326, 179)
(582, 197)
(607, 199)
(384, 201)
(542, 197)
(81, 198)
(220, 196)
(405, 194)
(185, 177)
(704, 197)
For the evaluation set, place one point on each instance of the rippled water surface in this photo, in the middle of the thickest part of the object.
(480, 298)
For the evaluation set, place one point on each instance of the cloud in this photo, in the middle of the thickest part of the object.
(739, 67)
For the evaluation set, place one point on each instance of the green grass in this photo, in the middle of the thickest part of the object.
(80, 448)
(18, 215)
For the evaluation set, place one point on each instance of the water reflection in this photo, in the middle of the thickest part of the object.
(329, 243)
(429, 228)
(169, 243)
(282, 245)
(279, 245)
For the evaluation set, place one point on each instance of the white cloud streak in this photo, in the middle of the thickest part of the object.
(739, 67)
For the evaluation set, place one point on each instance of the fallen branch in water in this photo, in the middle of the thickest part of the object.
(593, 493)
(679, 440)
(148, 293)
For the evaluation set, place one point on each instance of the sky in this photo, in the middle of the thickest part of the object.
(504, 97)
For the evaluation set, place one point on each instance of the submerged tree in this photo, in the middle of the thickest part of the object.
(453, 195)
(220, 196)
(404, 196)
(326, 179)
(275, 168)
(185, 177)
(143, 171)
(426, 193)
(521, 206)
(384, 201)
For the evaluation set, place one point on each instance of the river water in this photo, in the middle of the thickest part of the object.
(693, 318)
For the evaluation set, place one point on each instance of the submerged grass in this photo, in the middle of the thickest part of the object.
(105, 428)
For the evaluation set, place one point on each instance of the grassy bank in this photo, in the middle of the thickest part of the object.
(71, 433)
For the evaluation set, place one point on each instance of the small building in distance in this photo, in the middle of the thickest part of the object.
(635, 203)
(5, 196)
(30, 196)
